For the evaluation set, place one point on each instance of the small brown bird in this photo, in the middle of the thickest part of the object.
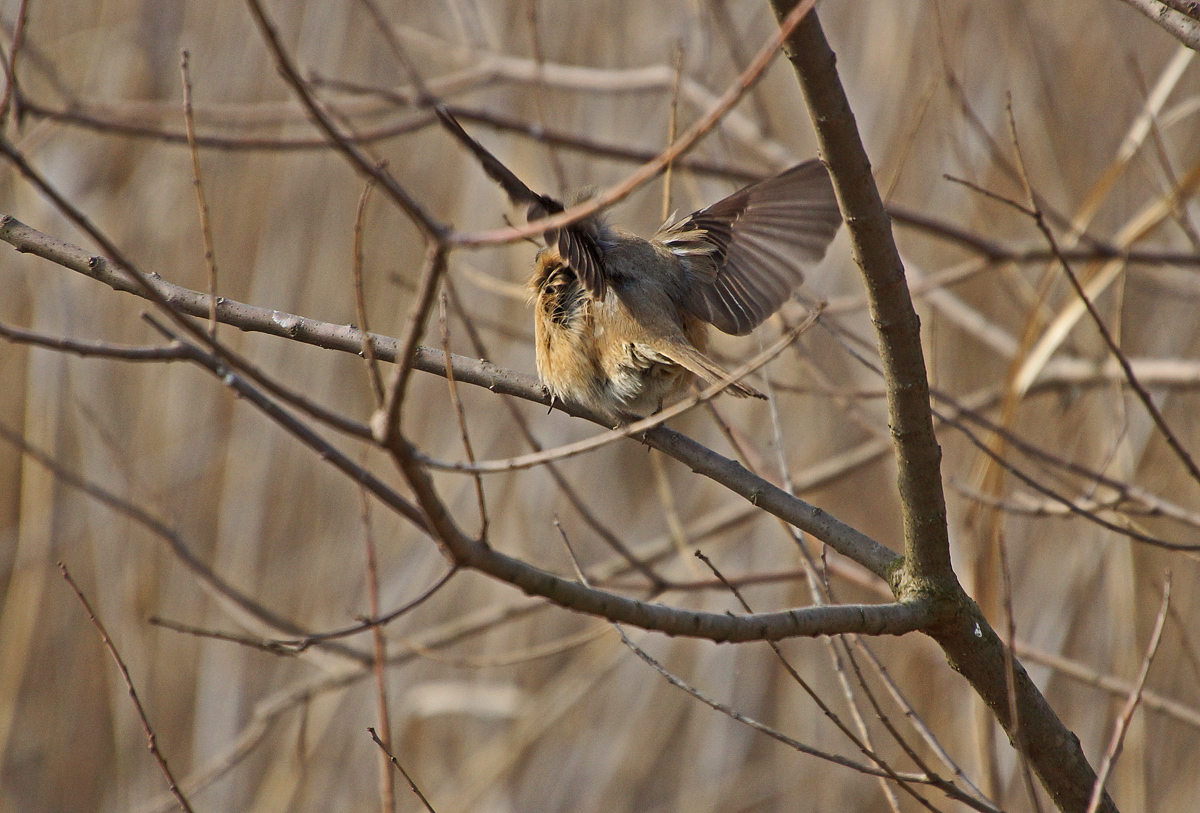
(621, 322)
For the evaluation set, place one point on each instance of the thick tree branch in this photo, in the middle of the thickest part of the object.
(918, 456)
(970, 643)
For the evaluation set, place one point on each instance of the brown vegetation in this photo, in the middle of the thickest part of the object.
(237, 481)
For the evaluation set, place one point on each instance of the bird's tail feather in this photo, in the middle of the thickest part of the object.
(701, 365)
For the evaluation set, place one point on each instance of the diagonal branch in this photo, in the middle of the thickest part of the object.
(1181, 26)
(846, 540)
(431, 516)
(870, 619)
(151, 739)
(287, 69)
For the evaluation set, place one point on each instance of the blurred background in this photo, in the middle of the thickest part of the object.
(498, 702)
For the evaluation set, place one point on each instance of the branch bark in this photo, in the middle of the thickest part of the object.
(846, 540)
(891, 619)
(1174, 21)
(972, 646)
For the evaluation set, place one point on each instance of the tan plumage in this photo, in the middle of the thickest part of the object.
(627, 353)
(621, 322)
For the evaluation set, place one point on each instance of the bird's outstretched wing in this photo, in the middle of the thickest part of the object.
(744, 254)
(578, 244)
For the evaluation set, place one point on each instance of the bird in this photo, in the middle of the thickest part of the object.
(621, 322)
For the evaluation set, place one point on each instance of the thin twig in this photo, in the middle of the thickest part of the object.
(1188, 715)
(460, 413)
(392, 758)
(750, 722)
(429, 226)
(160, 529)
(902, 215)
(270, 645)
(651, 169)
(822, 593)
(1122, 724)
(169, 352)
(672, 123)
(370, 623)
(1010, 670)
(1149, 120)
(210, 259)
(12, 91)
(1131, 703)
(918, 723)
(360, 299)
(579, 574)
(128, 277)
(1185, 630)
(1155, 505)
(431, 276)
(539, 91)
(302, 432)
(726, 28)
(294, 646)
(269, 710)
(1034, 211)
(387, 783)
(670, 510)
(112, 650)
(953, 420)
(1066, 502)
(506, 659)
(414, 122)
(858, 743)
(1010, 673)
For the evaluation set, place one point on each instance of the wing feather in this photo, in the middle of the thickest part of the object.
(745, 254)
(578, 244)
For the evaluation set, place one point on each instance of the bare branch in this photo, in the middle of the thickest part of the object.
(918, 456)
(887, 619)
(429, 226)
(1179, 25)
(971, 644)
(392, 758)
(151, 740)
(210, 258)
(1131, 703)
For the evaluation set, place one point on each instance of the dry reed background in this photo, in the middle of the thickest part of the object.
(481, 723)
